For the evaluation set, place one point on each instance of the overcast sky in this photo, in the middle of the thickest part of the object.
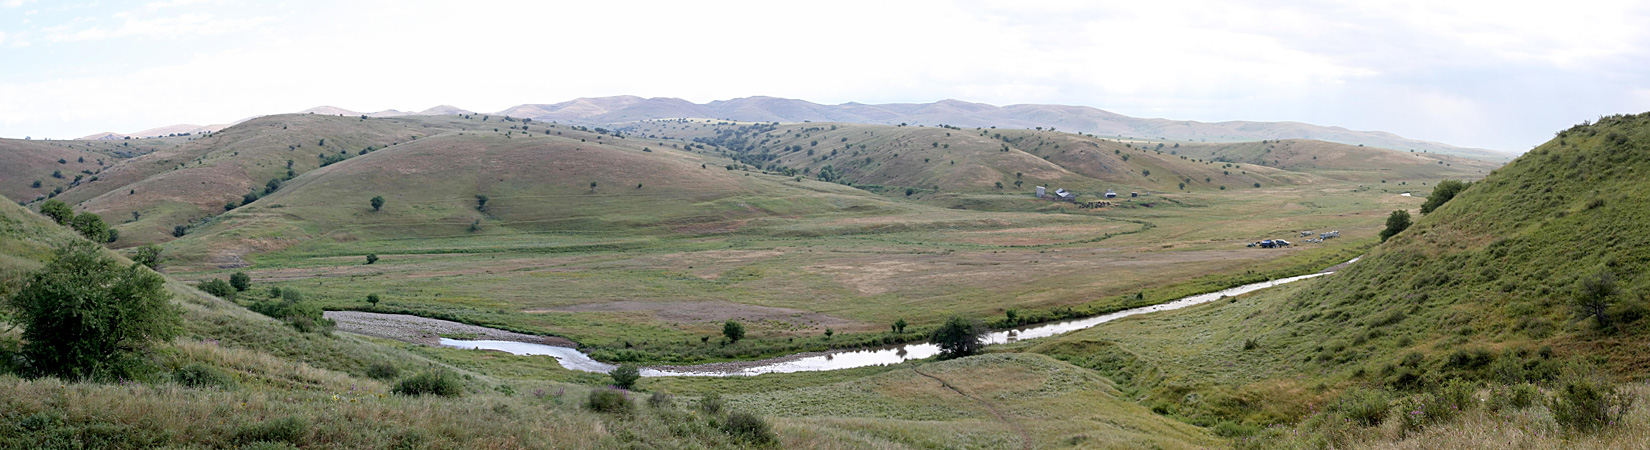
(1494, 74)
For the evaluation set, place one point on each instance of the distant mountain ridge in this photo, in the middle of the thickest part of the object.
(1082, 119)
(619, 109)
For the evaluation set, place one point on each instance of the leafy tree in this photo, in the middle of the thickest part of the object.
(91, 226)
(240, 281)
(481, 202)
(959, 337)
(1145, 173)
(592, 186)
(899, 326)
(372, 258)
(377, 202)
(1593, 297)
(148, 256)
(85, 315)
(1395, 223)
(36, 184)
(625, 376)
(373, 300)
(1443, 192)
(217, 287)
(180, 230)
(733, 330)
(114, 235)
(58, 211)
(273, 185)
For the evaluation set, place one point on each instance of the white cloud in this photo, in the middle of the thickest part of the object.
(15, 3)
(1425, 69)
(182, 26)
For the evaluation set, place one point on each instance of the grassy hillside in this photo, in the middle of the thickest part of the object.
(25, 162)
(949, 159)
(1483, 289)
(272, 386)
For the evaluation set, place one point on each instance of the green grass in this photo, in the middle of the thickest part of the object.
(1481, 289)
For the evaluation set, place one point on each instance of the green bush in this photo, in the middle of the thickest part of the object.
(87, 315)
(606, 400)
(201, 375)
(289, 429)
(1366, 407)
(217, 287)
(1587, 405)
(659, 400)
(383, 371)
(734, 331)
(959, 337)
(431, 382)
(625, 376)
(748, 427)
(240, 281)
(711, 403)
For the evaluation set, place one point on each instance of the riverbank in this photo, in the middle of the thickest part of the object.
(427, 331)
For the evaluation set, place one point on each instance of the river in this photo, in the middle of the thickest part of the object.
(847, 359)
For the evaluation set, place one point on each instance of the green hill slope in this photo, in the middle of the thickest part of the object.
(1482, 289)
(533, 183)
(956, 159)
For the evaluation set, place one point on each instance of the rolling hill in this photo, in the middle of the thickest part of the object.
(955, 158)
(1077, 119)
(1487, 288)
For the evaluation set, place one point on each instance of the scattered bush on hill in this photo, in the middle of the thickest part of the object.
(438, 382)
(383, 371)
(608, 400)
(217, 287)
(1443, 192)
(240, 281)
(748, 427)
(57, 210)
(1396, 223)
(199, 375)
(86, 315)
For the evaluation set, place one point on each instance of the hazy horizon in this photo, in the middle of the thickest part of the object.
(1486, 75)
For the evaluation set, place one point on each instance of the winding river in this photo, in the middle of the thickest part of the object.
(847, 359)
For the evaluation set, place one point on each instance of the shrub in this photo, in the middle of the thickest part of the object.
(711, 403)
(1443, 192)
(216, 287)
(1396, 223)
(91, 226)
(383, 371)
(372, 258)
(1587, 405)
(625, 376)
(148, 255)
(1366, 407)
(748, 427)
(431, 382)
(289, 429)
(240, 281)
(1514, 397)
(611, 401)
(733, 330)
(88, 315)
(377, 203)
(202, 375)
(57, 210)
(660, 400)
(959, 337)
